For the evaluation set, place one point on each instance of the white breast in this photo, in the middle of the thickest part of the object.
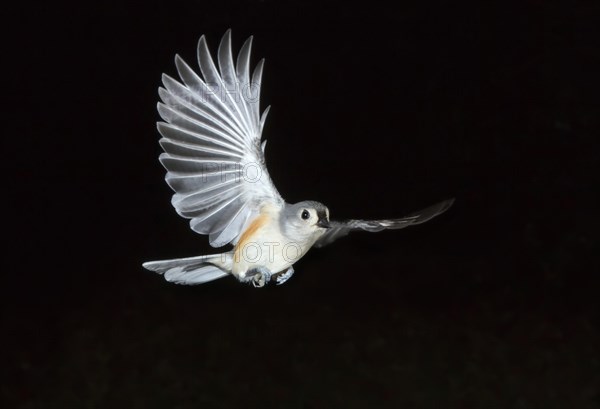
(267, 247)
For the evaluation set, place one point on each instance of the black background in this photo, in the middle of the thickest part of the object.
(376, 112)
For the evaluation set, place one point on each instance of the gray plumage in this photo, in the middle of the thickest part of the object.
(340, 229)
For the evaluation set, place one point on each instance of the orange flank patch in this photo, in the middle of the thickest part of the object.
(249, 233)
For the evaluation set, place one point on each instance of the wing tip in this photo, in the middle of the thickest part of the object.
(226, 40)
(247, 45)
(202, 43)
(446, 204)
(153, 266)
(430, 212)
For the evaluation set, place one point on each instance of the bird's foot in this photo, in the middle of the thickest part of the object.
(259, 276)
(283, 277)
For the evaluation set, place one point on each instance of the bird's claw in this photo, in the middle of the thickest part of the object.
(282, 278)
(259, 277)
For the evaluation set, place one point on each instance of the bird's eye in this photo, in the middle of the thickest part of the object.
(305, 215)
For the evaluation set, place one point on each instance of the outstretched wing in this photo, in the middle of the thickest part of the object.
(211, 138)
(340, 229)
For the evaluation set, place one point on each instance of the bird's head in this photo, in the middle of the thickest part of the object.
(306, 220)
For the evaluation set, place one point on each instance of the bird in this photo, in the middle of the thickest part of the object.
(211, 132)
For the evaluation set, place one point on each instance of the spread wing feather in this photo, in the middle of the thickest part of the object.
(211, 135)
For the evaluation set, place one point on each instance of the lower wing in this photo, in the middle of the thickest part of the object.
(340, 229)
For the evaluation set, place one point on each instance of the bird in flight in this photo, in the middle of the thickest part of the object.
(215, 161)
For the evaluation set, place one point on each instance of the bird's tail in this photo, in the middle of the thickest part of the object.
(193, 270)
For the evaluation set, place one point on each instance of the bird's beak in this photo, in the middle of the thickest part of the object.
(324, 223)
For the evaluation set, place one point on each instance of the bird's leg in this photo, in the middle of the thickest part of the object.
(258, 276)
(282, 278)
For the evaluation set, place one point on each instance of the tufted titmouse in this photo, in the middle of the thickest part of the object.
(216, 166)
